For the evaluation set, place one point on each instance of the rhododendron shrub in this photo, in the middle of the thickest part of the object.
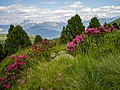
(104, 29)
(13, 72)
(41, 48)
(78, 40)
(71, 46)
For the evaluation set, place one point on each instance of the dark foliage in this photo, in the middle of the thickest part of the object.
(75, 27)
(1, 52)
(94, 23)
(10, 30)
(115, 25)
(16, 40)
(38, 38)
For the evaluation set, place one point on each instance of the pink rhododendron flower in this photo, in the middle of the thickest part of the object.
(89, 31)
(10, 67)
(15, 65)
(101, 27)
(21, 63)
(71, 46)
(2, 80)
(20, 57)
(7, 86)
(108, 31)
(45, 40)
(14, 57)
(13, 77)
(24, 55)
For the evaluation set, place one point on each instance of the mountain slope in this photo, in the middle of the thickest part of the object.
(49, 29)
(46, 29)
(45, 33)
(102, 21)
(116, 21)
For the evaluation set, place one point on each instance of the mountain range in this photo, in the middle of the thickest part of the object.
(45, 29)
(48, 29)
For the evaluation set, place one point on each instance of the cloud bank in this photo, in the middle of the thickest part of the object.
(15, 14)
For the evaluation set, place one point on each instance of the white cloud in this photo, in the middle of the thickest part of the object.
(15, 14)
(101, 12)
(49, 2)
(75, 5)
(66, 2)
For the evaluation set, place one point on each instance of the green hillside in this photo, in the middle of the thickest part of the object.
(2, 37)
(116, 21)
(89, 60)
(98, 69)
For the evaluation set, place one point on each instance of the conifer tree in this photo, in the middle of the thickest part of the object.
(1, 52)
(38, 38)
(94, 23)
(105, 24)
(10, 29)
(17, 39)
(74, 27)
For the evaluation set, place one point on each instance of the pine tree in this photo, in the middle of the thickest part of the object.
(64, 37)
(94, 23)
(38, 38)
(17, 39)
(75, 27)
(105, 24)
(10, 30)
(1, 52)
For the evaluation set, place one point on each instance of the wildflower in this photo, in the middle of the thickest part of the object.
(96, 31)
(71, 46)
(13, 77)
(77, 39)
(2, 80)
(45, 40)
(21, 63)
(10, 67)
(20, 57)
(85, 32)
(108, 31)
(13, 57)
(7, 86)
(24, 55)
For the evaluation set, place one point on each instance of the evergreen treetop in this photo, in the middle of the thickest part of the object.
(17, 39)
(94, 23)
(74, 27)
(10, 29)
(38, 38)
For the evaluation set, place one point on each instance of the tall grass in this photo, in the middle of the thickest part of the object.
(98, 68)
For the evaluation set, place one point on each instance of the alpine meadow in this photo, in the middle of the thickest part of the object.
(59, 45)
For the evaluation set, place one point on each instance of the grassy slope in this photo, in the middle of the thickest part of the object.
(117, 21)
(2, 37)
(97, 70)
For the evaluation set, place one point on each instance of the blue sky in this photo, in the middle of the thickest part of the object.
(90, 3)
(15, 11)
